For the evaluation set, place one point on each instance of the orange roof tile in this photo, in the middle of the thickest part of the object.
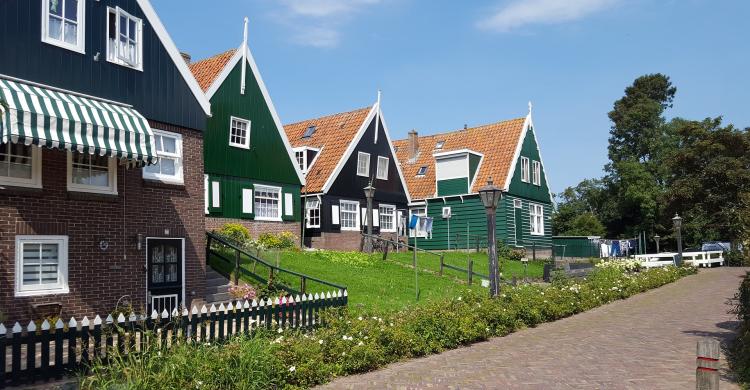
(333, 135)
(497, 141)
(207, 70)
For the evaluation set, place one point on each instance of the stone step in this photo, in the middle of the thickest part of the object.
(217, 281)
(219, 297)
(224, 288)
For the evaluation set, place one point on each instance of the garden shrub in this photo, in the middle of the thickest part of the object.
(739, 349)
(735, 258)
(236, 232)
(356, 343)
(283, 240)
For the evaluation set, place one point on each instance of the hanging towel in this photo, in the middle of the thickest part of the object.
(413, 222)
(615, 250)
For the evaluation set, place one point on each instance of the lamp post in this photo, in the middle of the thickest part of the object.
(369, 194)
(490, 195)
(677, 222)
(657, 238)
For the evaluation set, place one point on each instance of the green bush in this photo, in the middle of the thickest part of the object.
(236, 232)
(739, 349)
(283, 240)
(350, 343)
(736, 258)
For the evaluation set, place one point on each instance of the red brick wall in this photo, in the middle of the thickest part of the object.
(255, 227)
(343, 241)
(97, 278)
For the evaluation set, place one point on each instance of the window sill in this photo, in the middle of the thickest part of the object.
(6, 189)
(38, 293)
(92, 196)
(97, 191)
(350, 229)
(125, 65)
(537, 234)
(238, 146)
(158, 183)
(361, 175)
(268, 219)
(62, 45)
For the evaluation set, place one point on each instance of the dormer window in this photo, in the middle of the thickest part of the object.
(63, 23)
(305, 156)
(309, 132)
(422, 170)
(124, 34)
(439, 145)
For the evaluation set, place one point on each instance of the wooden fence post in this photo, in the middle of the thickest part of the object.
(707, 362)
(385, 251)
(236, 267)
(441, 264)
(471, 271)
(208, 248)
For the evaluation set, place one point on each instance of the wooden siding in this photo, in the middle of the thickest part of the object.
(267, 159)
(230, 205)
(159, 92)
(527, 239)
(458, 186)
(528, 190)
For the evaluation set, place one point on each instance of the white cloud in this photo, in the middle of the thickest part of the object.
(520, 13)
(318, 23)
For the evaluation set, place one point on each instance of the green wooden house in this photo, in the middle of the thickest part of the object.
(251, 176)
(444, 172)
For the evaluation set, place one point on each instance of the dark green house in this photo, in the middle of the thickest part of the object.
(251, 176)
(444, 172)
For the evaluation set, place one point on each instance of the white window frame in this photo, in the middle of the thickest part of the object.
(525, 169)
(177, 156)
(421, 212)
(61, 287)
(245, 145)
(420, 170)
(301, 154)
(383, 175)
(36, 170)
(383, 211)
(308, 209)
(536, 219)
(79, 47)
(267, 188)
(112, 178)
(139, 40)
(360, 156)
(536, 173)
(355, 212)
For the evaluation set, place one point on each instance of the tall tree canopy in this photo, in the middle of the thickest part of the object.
(656, 168)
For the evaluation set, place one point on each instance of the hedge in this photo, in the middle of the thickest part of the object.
(739, 349)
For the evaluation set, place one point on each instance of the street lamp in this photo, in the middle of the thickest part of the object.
(657, 238)
(677, 222)
(369, 194)
(490, 195)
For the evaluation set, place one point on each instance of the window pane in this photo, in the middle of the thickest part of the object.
(132, 30)
(171, 275)
(55, 28)
(169, 145)
(71, 33)
(167, 166)
(157, 274)
(55, 7)
(80, 175)
(71, 9)
(99, 177)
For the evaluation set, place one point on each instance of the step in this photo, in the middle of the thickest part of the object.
(217, 280)
(220, 297)
(224, 288)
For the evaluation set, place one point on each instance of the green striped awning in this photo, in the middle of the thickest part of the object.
(55, 119)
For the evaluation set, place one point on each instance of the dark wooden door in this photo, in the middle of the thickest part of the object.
(518, 214)
(164, 274)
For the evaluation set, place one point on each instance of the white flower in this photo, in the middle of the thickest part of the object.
(280, 330)
(360, 344)
(359, 318)
(459, 298)
(320, 341)
(292, 369)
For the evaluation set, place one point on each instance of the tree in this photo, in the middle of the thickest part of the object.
(587, 198)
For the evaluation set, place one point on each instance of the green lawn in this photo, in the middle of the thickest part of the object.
(431, 262)
(373, 284)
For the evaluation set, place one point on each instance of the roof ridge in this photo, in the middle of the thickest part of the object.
(447, 132)
(328, 116)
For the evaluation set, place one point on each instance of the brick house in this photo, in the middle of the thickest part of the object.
(251, 175)
(340, 155)
(101, 169)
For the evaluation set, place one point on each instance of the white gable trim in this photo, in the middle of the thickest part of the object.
(395, 158)
(168, 43)
(349, 149)
(529, 122)
(216, 84)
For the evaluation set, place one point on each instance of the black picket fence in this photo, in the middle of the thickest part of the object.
(45, 351)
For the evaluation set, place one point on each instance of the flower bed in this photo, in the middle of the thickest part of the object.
(352, 343)
(739, 350)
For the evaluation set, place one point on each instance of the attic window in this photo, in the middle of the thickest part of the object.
(439, 145)
(422, 170)
(309, 132)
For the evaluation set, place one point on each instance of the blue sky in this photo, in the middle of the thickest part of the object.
(442, 64)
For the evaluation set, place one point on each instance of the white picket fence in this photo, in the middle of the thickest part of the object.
(697, 259)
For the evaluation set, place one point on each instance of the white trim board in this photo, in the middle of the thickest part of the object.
(527, 122)
(179, 62)
(216, 84)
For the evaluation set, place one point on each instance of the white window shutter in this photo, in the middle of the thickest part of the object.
(288, 204)
(375, 218)
(205, 192)
(215, 195)
(247, 201)
(335, 214)
(364, 217)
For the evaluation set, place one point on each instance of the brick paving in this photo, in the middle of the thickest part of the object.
(645, 342)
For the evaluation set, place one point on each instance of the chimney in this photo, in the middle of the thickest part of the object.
(186, 57)
(466, 126)
(413, 145)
